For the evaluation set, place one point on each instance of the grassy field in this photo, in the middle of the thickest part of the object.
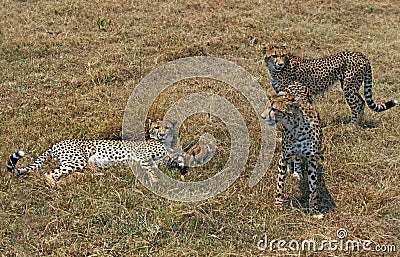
(69, 67)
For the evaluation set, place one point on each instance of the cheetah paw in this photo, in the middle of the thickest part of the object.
(153, 178)
(318, 216)
(297, 176)
(278, 205)
(50, 180)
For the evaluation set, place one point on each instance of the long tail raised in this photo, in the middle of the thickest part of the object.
(37, 164)
(368, 93)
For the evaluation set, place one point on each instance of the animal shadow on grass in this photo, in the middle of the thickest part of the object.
(365, 124)
(370, 124)
(325, 201)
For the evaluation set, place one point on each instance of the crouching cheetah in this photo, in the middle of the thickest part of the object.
(301, 136)
(350, 68)
(73, 154)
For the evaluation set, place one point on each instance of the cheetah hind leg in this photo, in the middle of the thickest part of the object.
(67, 163)
(355, 101)
(53, 176)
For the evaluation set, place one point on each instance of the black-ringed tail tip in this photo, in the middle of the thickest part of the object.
(381, 107)
(13, 160)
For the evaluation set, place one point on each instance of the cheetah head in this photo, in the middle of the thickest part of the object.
(275, 57)
(281, 109)
(162, 130)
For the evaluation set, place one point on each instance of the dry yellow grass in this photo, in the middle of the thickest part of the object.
(65, 68)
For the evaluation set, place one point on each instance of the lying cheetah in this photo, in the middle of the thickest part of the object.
(74, 154)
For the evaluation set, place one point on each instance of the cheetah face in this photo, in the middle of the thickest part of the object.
(281, 109)
(275, 57)
(162, 130)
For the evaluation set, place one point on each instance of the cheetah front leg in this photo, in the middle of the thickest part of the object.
(151, 167)
(312, 183)
(282, 169)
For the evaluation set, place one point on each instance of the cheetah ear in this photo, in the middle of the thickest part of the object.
(149, 122)
(173, 123)
(284, 45)
(264, 49)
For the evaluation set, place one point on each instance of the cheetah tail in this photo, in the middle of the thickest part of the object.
(368, 94)
(14, 158)
(12, 161)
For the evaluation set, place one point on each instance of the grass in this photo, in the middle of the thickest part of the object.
(68, 68)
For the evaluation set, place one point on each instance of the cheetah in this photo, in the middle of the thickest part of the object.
(320, 75)
(74, 154)
(301, 136)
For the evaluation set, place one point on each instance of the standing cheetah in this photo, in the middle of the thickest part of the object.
(319, 75)
(301, 136)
